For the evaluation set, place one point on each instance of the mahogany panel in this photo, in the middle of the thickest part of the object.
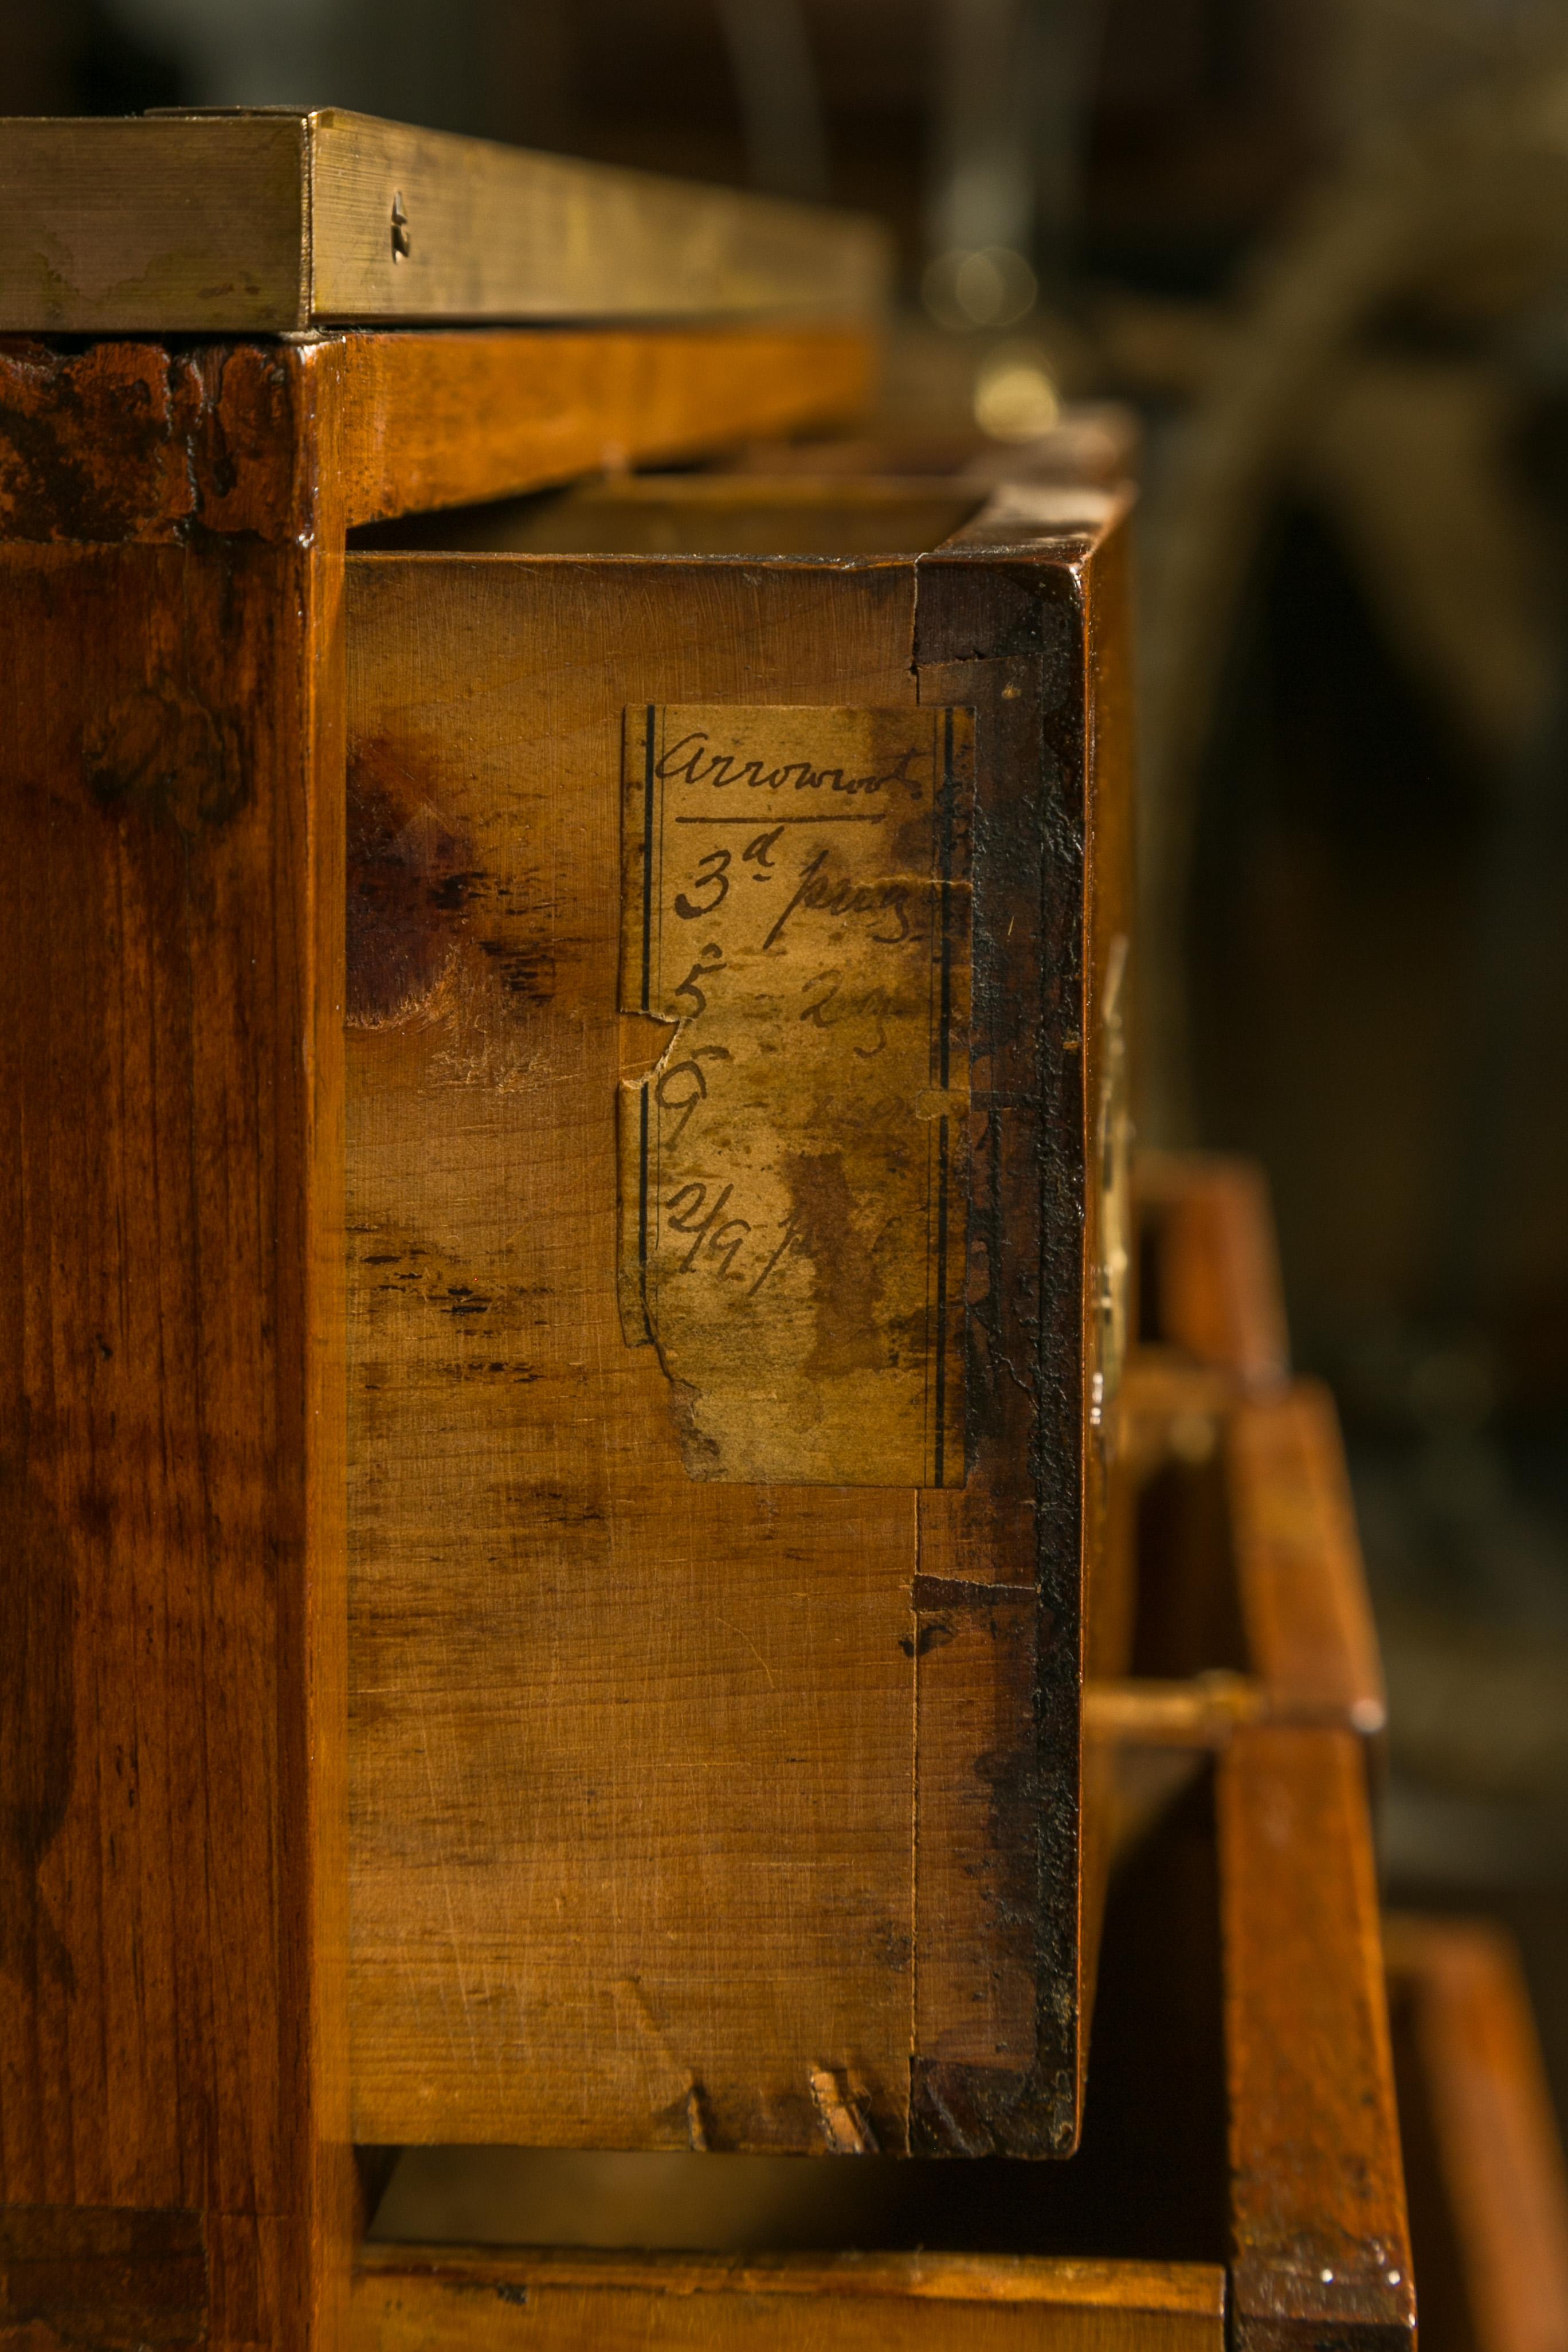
(173, 2020)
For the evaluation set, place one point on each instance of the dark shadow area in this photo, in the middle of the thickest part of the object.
(1149, 2182)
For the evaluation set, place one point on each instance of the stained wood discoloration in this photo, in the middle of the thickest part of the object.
(132, 441)
(410, 881)
(116, 2279)
(1038, 650)
(160, 751)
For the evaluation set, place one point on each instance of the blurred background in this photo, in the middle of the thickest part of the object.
(1319, 251)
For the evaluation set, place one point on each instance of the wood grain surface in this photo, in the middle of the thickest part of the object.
(436, 420)
(1321, 2249)
(639, 1759)
(632, 1753)
(274, 221)
(1488, 2192)
(173, 2129)
(409, 2301)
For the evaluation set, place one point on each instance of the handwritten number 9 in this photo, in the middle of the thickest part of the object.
(712, 873)
(682, 1086)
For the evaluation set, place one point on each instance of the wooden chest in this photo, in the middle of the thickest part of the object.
(737, 945)
(640, 1716)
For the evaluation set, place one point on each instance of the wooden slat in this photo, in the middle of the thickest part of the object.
(1301, 1583)
(427, 420)
(275, 221)
(409, 2300)
(1219, 1295)
(172, 2019)
(434, 420)
(1321, 2251)
(1501, 2189)
(1144, 1713)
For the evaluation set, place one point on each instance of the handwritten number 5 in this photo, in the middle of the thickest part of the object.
(712, 873)
(711, 960)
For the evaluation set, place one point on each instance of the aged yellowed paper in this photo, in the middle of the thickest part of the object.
(794, 1185)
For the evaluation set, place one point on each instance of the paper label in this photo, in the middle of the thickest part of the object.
(793, 1169)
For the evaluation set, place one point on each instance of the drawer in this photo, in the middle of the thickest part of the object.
(738, 919)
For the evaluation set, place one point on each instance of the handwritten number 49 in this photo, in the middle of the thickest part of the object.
(685, 1210)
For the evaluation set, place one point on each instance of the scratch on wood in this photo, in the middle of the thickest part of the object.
(845, 2124)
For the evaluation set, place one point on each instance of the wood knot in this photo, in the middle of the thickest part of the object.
(162, 753)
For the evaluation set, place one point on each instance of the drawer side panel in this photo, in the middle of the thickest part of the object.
(633, 1754)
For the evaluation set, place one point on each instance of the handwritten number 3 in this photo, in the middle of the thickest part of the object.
(712, 872)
